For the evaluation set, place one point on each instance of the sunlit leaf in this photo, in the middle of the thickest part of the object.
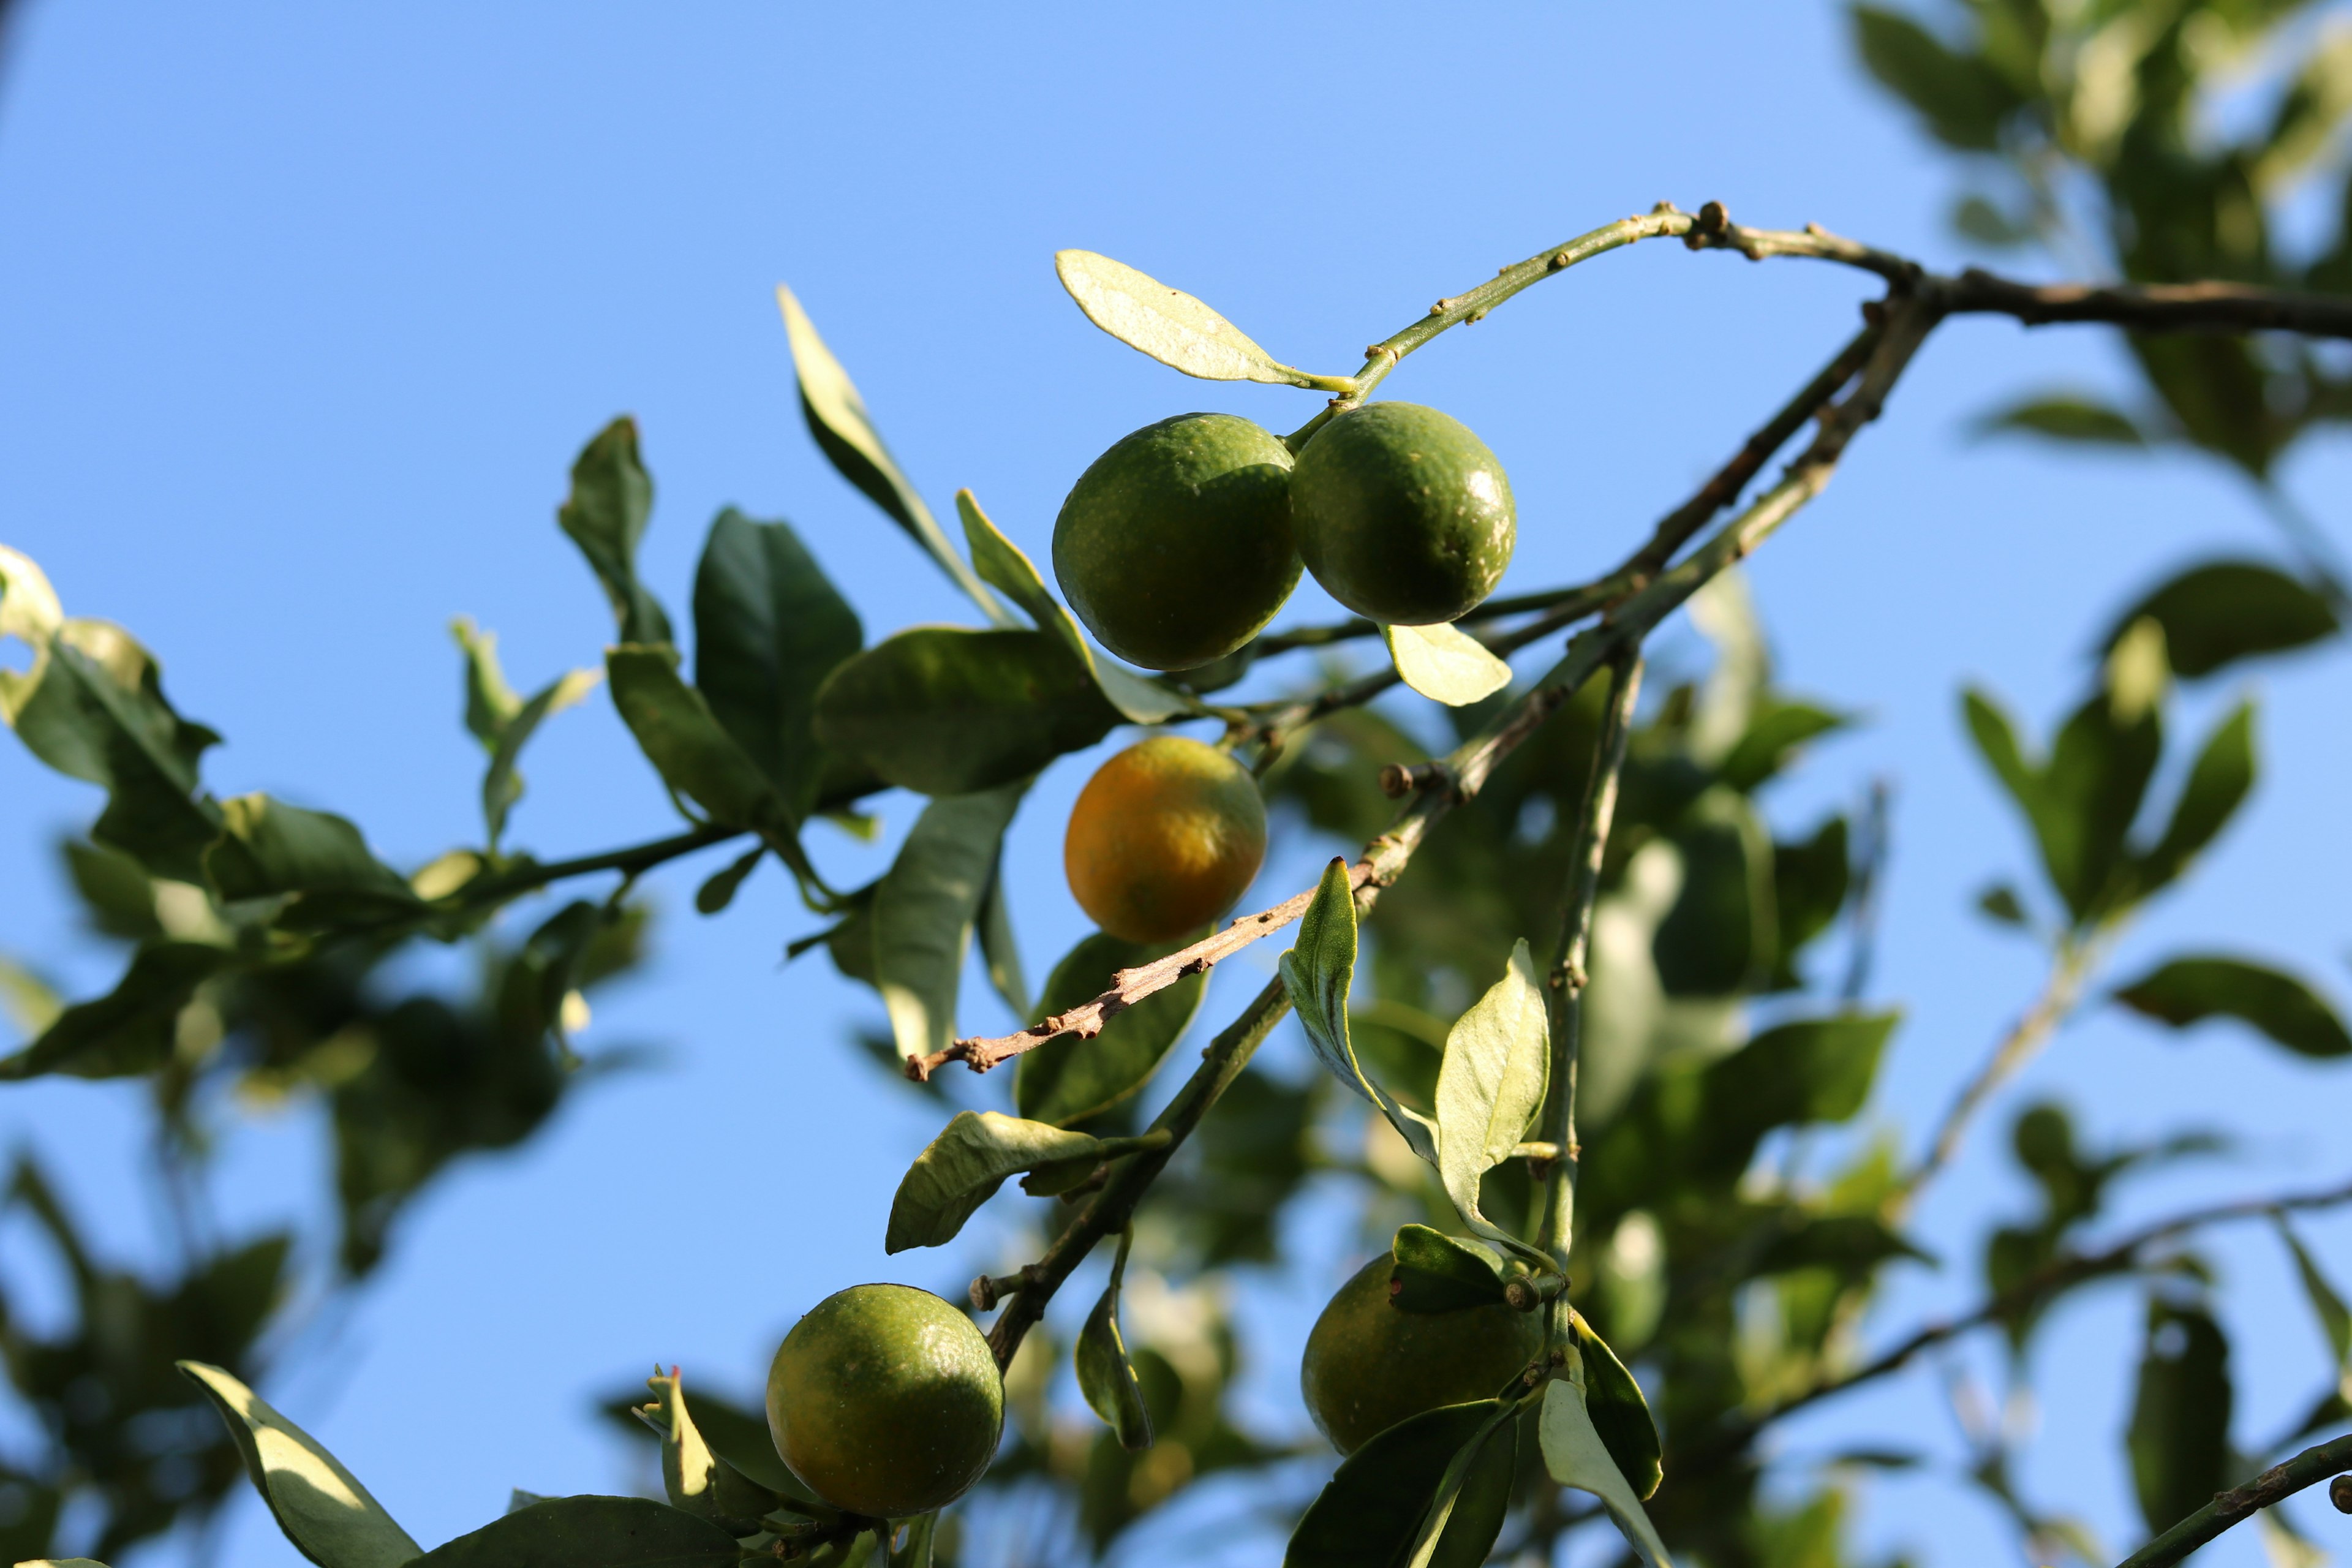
(697, 1479)
(1319, 973)
(1171, 325)
(320, 1506)
(1497, 1064)
(1575, 1455)
(605, 514)
(2188, 990)
(1445, 664)
(962, 1167)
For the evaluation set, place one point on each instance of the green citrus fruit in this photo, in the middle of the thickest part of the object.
(1174, 547)
(1369, 1364)
(1163, 838)
(1402, 514)
(885, 1401)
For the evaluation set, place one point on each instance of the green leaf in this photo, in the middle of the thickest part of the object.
(1719, 936)
(490, 703)
(30, 612)
(2180, 1434)
(1777, 731)
(718, 889)
(132, 1029)
(116, 893)
(1318, 973)
(26, 1000)
(2001, 902)
(1003, 565)
(320, 1506)
(612, 497)
(2327, 1305)
(2187, 991)
(1445, 664)
(767, 628)
(1619, 1412)
(2217, 389)
(687, 746)
(1491, 1084)
(697, 1479)
(963, 1166)
(1961, 98)
(591, 1533)
(506, 723)
(1068, 1079)
(2065, 416)
(1575, 1455)
(1106, 1377)
(268, 848)
(1000, 951)
(924, 909)
(2218, 613)
(2081, 804)
(1472, 1516)
(1852, 1243)
(948, 710)
(1371, 1509)
(1986, 224)
(1171, 326)
(92, 707)
(1439, 1273)
(1810, 881)
(838, 419)
(2218, 782)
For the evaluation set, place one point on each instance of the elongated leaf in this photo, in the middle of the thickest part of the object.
(490, 703)
(1445, 664)
(2335, 1319)
(697, 1479)
(1497, 1063)
(320, 1506)
(1068, 1079)
(1169, 324)
(1439, 1273)
(268, 848)
(2065, 416)
(501, 783)
(1776, 732)
(1319, 973)
(1619, 1412)
(1106, 1377)
(963, 1166)
(947, 710)
(2218, 784)
(924, 909)
(2187, 991)
(1474, 1515)
(591, 1533)
(846, 433)
(131, 1029)
(685, 743)
(1004, 566)
(1575, 1455)
(2218, 613)
(767, 628)
(2180, 1434)
(1000, 951)
(1371, 1511)
(612, 497)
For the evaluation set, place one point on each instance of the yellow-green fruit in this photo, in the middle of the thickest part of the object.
(1369, 1364)
(1163, 838)
(1402, 514)
(885, 1401)
(1174, 547)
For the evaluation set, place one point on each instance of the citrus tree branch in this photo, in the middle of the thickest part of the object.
(2276, 1484)
(631, 861)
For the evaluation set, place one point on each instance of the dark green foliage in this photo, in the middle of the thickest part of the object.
(2186, 990)
(2220, 612)
(2180, 1435)
(612, 499)
(589, 1533)
(1372, 1507)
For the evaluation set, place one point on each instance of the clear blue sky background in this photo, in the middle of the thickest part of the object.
(304, 311)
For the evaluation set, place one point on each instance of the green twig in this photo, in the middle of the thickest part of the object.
(2309, 1467)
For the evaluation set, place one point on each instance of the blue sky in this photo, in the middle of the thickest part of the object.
(304, 311)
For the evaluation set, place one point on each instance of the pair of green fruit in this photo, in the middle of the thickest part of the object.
(1179, 544)
(886, 1402)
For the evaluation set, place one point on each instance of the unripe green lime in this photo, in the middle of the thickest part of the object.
(885, 1401)
(1174, 546)
(1369, 1364)
(1402, 514)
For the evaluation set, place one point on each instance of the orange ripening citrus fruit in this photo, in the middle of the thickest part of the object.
(1163, 838)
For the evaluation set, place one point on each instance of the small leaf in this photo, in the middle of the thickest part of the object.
(694, 756)
(131, 1029)
(924, 909)
(1439, 1273)
(838, 419)
(2065, 416)
(612, 497)
(1619, 1412)
(963, 1166)
(718, 889)
(490, 703)
(1371, 1509)
(1445, 664)
(767, 628)
(1106, 1377)
(2186, 990)
(1171, 326)
(1497, 1064)
(1999, 902)
(1318, 973)
(697, 1479)
(2180, 1434)
(2219, 781)
(948, 709)
(2220, 612)
(1575, 1455)
(1068, 1079)
(501, 784)
(320, 1506)
(591, 1533)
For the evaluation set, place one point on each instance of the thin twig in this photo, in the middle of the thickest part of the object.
(2279, 1482)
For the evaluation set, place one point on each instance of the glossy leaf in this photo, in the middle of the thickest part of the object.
(268, 848)
(963, 1166)
(2065, 416)
(685, 743)
(1371, 1511)
(1319, 973)
(924, 911)
(1576, 1456)
(591, 1533)
(605, 514)
(1445, 664)
(846, 433)
(767, 628)
(697, 1479)
(1497, 1064)
(133, 1028)
(1068, 1079)
(1106, 1377)
(1619, 1412)
(2180, 1434)
(2188, 990)
(947, 710)
(1439, 1273)
(1169, 324)
(2220, 612)
(320, 1506)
